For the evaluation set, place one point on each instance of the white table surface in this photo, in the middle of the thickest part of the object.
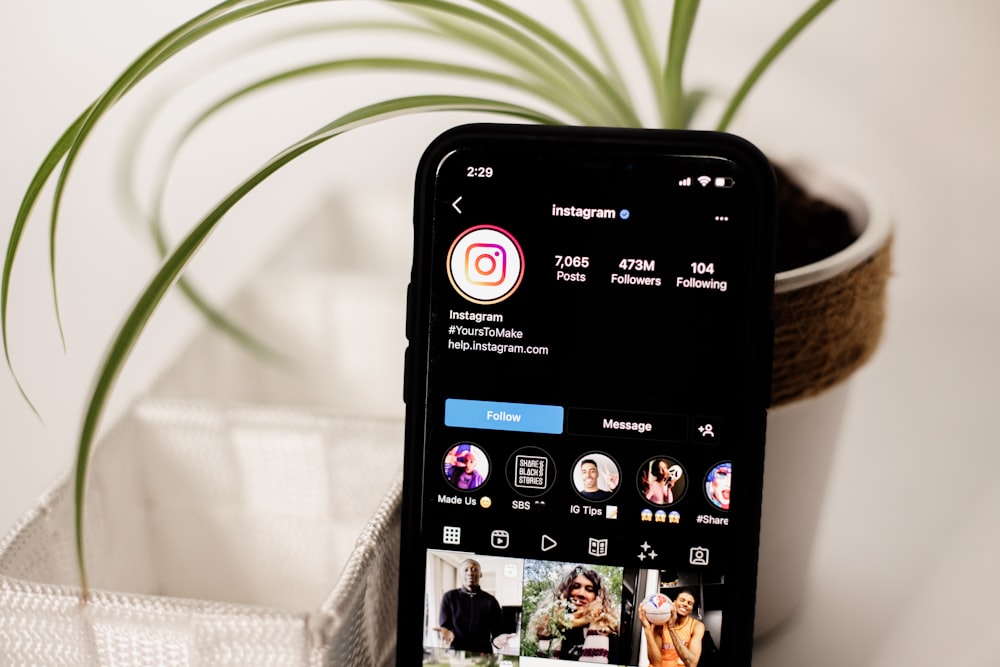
(904, 93)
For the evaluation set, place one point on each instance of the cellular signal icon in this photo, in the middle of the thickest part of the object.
(684, 182)
(704, 180)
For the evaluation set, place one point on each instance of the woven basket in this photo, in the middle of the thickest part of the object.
(238, 536)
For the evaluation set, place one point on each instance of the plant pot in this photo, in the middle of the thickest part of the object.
(828, 319)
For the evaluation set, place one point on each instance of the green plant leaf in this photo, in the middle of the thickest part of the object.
(692, 104)
(681, 26)
(131, 143)
(378, 64)
(69, 144)
(534, 60)
(129, 200)
(318, 69)
(639, 24)
(772, 53)
(539, 90)
(603, 85)
(218, 320)
(154, 218)
(134, 137)
(214, 19)
(232, 11)
(135, 322)
(614, 74)
(38, 181)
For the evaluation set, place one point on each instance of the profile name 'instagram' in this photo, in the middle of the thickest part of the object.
(485, 264)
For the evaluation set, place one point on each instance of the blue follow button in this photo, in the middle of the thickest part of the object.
(503, 416)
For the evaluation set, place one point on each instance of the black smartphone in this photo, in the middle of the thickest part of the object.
(589, 325)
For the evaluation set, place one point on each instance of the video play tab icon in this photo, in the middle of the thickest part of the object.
(548, 544)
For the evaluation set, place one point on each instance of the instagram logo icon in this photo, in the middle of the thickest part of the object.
(485, 264)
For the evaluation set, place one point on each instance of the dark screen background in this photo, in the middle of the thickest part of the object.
(640, 349)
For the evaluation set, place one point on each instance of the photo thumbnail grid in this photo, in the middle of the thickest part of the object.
(509, 612)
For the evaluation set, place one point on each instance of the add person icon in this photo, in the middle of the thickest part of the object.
(596, 477)
(466, 466)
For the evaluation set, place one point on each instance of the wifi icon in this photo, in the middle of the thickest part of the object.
(704, 180)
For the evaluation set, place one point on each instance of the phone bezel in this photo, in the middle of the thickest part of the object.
(738, 622)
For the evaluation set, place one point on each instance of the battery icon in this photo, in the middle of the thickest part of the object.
(724, 182)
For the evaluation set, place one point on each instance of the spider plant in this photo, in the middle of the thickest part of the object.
(538, 75)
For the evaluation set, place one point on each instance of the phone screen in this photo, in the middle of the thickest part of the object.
(589, 362)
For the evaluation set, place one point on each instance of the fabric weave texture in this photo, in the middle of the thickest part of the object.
(217, 535)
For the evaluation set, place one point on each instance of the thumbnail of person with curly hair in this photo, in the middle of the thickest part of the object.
(578, 622)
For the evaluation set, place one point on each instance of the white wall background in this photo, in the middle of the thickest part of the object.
(903, 92)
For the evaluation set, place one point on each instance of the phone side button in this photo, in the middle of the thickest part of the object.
(410, 322)
(406, 375)
(769, 361)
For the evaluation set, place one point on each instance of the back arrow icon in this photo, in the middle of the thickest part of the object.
(454, 205)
